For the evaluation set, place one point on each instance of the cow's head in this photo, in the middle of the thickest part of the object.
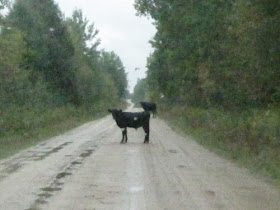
(115, 113)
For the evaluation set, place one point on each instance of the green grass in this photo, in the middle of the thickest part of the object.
(250, 138)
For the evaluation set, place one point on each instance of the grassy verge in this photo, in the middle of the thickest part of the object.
(250, 138)
(21, 129)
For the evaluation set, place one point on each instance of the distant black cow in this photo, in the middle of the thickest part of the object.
(132, 120)
(149, 107)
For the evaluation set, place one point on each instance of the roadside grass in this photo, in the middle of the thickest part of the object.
(20, 129)
(250, 138)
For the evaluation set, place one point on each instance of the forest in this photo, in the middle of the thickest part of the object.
(52, 75)
(215, 71)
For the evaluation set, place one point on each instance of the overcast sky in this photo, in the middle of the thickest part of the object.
(120, 30)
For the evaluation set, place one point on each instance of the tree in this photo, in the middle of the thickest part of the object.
(85, 57)
(221, 53)
(140, 91)
(112, 64)
(100, 75)
(49, 48)
(83, 34)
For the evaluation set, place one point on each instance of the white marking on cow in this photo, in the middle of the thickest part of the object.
(123, 129)
(135, 118)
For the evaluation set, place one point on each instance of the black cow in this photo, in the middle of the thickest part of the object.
(132, 120)
(149, 106)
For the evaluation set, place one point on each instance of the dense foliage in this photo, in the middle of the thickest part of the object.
(49, 64)
(140, 92)
(215, 72)
(215, 53)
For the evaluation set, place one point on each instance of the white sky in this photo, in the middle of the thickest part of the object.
(120, 30)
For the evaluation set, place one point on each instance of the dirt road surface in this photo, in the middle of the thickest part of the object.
(87, 168)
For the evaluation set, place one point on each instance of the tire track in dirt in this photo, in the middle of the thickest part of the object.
(60, 179)
(36, 169)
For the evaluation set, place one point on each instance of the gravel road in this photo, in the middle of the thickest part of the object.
(87, 168)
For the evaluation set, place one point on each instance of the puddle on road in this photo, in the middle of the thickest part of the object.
(90, 150)
(13, 167)
(34, 156)
(45, 154)
(136, 189)
(76, 163)
(35, 206)
(87, 153)
(210, 192)
(66, 143)
(9, 169)
(62, 175)
(45, 195)
(51, 189)
(56, 185)
(172, 151)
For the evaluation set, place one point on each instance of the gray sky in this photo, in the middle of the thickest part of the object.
(120, 30)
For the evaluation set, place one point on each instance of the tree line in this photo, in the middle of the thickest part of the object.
(214, 53)
(48, 61)
(215, 73)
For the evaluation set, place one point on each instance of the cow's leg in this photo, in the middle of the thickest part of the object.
(147, 131)
(123, 134)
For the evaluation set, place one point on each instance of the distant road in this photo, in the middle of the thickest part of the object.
(87, 168)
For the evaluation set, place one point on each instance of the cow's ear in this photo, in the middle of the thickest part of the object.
(109, 110)
(120, 110)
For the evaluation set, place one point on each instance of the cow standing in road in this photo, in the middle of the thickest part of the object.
(149, 107)
(132, 120)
